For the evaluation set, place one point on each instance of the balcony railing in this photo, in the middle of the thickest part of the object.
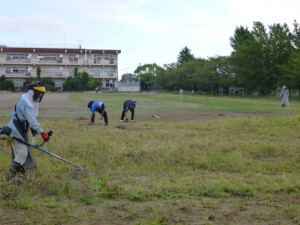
(19, 75)
(66, 62)
(63, 75)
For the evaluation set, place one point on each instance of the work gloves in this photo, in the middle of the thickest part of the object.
(45, 136)
(33, 132)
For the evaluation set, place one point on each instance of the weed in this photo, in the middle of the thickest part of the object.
(104, 189)
(292, 212)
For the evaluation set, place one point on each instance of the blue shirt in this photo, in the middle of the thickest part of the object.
(96, 106)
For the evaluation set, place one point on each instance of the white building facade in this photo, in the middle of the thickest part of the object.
(17, 64)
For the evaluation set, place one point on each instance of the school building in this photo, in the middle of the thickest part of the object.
(18, 63)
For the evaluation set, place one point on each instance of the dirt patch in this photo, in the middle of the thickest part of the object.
(187, 116)
(121, 127)
(82, 118)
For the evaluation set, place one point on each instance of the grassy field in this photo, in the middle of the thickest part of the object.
(205, 160)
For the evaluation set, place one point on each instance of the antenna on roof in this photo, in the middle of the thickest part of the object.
(79, 41)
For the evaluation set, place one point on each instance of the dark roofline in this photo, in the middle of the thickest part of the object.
(59, 50)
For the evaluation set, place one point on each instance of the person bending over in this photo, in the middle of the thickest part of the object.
(128, 105)
(97, 106)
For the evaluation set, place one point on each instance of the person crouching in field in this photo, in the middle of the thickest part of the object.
(97, 106)
(284, 94)
(24, 118)
(128, 105)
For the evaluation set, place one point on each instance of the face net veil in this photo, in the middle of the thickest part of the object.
(38, 96)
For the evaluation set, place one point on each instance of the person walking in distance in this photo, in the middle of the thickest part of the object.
(128, 105)
(181, 93)
(97, 106)
(284, 94)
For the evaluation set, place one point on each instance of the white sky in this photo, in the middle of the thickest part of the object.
(146, 31)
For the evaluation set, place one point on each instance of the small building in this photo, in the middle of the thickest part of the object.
(129, 87)
(129, 83)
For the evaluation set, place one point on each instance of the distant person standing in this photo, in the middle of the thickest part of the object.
(128, 105)
(284, 94)
(181, 93)
(97, 106)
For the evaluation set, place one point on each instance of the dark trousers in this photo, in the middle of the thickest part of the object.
(103, 113)
(123, 114)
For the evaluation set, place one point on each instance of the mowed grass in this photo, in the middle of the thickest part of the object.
(206, 160)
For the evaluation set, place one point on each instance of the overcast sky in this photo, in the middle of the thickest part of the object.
(146, 31)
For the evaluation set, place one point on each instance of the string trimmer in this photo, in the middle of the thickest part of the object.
(7, 131)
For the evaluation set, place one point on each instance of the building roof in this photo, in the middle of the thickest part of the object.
(58, 50)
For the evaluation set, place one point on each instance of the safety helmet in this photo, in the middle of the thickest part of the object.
(38, 92)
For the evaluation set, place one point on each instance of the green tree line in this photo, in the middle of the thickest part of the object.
(262, 59)
(81, 81)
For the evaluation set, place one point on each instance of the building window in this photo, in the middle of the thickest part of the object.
(97, 58)
(73, 58)
(97, 70)
(71, 70)
(52, 71)
(50, 57)
(17, 69)
(109, 71)
(110, 58)
(17, 56)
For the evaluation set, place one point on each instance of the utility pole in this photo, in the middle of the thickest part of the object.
(80, 47)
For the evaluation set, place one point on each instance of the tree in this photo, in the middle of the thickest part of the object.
(222, 68)
(281, 49)
(147, 74)
(258, 62)
(28, 81)
(185, 76)
(48, 83)
(84, 78)
(296, 36)
(6, 84)
(69, 84)
(248, 66)
(80, 82)
(185, 55)
(93, 83)
(128, 77)
(38, 73)
(241, 35)
(292, 71)
(76, 73)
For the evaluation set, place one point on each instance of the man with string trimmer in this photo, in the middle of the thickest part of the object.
(23, 118)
